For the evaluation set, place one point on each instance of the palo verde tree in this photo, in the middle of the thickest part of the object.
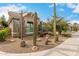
(61, 24)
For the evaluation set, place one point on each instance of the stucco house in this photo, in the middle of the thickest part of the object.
(14, 23)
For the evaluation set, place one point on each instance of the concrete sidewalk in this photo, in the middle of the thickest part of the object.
(68, 48)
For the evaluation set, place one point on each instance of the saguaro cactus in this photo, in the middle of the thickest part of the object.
(35, 29)
(35, 48)
(54, 24)
(21, 23)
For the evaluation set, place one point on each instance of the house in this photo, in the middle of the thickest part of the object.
(15, 23)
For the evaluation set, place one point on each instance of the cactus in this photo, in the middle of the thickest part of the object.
(54, 24)
(35, 29)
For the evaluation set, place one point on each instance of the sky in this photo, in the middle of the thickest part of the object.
(70, 11)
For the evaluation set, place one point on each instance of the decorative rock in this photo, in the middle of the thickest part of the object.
(39, 39)
(12, 40)
(46, 39)
(35, 48)
(57, 36)
(23, 44)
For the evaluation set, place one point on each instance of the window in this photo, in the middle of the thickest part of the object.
(29, 27)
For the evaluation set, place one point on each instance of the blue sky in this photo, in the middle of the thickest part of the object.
(44, 10)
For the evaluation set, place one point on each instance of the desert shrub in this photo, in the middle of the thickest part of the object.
(2, 36)
(4, 33)
(66, 34)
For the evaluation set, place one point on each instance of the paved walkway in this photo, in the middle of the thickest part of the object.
(68, 48)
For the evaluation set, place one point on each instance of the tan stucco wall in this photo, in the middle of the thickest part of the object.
(11, 27)
(27, 18)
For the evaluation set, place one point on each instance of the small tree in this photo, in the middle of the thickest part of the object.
(3, 21)
(62, 25)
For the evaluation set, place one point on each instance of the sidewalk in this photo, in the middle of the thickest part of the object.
(68, 48)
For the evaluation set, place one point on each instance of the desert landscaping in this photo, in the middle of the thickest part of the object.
(24, 32)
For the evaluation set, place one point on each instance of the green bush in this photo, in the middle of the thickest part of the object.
(2, 36)
(65, 34)
(4, 33)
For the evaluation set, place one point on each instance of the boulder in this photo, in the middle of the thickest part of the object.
(35, 48)
(23, 44)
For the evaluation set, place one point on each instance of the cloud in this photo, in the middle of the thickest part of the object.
(51, 5)
(71, 5)
(74, 7)
(74, 21)
(11, 7)
(61, 9)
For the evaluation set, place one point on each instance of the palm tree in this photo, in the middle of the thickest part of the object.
(62, 25)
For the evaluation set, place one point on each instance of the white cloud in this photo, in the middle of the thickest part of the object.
(11, 7)
(61, 9)
(51, 5)
(74, 7)
(74, 21)
(71, 5)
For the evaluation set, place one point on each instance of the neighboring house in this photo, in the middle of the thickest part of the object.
(14, 23)
(73, 27)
